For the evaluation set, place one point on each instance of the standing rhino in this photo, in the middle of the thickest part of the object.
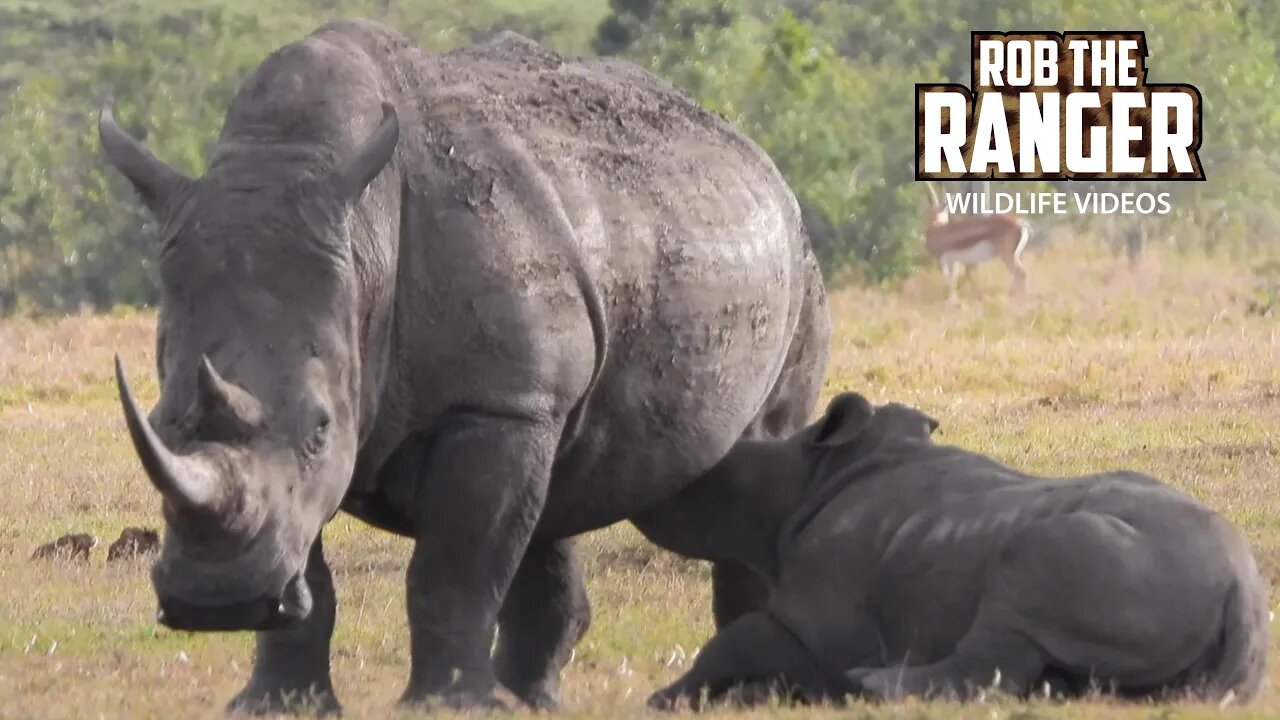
(488, 300)
(908, 568)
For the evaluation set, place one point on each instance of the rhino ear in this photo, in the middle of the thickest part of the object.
(154, 180)
(846, 418)
(898, 420)
(351, 176)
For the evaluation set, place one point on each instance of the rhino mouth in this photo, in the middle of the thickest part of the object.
(265, 612)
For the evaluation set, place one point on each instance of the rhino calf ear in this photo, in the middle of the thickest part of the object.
(898, 420)
(846, 418)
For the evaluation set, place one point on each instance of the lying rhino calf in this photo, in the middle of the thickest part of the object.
(908, 568)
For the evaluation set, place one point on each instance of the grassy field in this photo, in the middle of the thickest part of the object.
(1173, 369)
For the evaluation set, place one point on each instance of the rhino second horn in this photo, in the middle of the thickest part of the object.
(185, 481)
(224, 400)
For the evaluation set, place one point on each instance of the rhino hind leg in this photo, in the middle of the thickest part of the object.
(738, 590)
(991, 656)
(755, 655)
(291, 666)
(1083, 590)
(1139, 601)
(545, 614)
(995, 654)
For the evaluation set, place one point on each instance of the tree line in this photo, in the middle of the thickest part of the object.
(826, 87)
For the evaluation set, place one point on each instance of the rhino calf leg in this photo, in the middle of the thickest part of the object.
(754, 652)
(545, 614)
(291, 666)
(736, 590)
(484, 485)
(992, 655)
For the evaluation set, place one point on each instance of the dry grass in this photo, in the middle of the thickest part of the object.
(1166, 370)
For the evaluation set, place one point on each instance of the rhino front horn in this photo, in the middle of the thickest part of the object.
(186, 481)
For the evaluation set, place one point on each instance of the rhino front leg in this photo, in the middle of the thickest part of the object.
(545, 614)
(755, 652)
(483, 487)
(291, 666)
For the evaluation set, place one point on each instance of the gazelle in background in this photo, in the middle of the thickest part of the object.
(974, 240)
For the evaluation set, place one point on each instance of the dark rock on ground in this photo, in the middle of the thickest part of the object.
(74, 546)
(134, 542)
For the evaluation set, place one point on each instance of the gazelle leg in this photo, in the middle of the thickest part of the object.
(1019, 273)
(1014, 261)
(951, 270)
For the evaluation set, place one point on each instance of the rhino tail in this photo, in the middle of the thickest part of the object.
(1238, 671)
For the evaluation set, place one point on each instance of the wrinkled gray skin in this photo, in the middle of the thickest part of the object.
(488, 300)
(905, 568)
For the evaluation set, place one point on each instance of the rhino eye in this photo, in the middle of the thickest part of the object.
(319, 437)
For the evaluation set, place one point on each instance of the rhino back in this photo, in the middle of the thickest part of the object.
(923, 505)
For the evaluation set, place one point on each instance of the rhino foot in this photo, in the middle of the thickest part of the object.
(877, 684)
(659, 702)
(539, 700)
(672, 701)
(258, 700)
(858, 684)
(457, 701)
